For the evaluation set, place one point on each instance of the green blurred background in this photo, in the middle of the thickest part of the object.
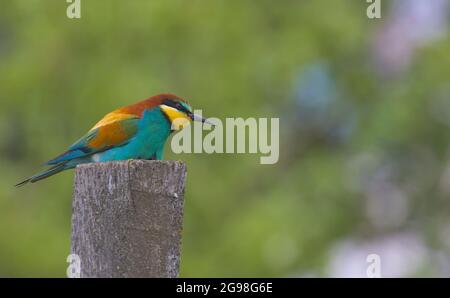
(364, 108)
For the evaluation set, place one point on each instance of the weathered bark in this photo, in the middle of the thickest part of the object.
(127, 218)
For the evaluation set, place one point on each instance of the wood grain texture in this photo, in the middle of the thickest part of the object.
(127, 218)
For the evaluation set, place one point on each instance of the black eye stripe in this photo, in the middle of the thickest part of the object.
(174, 104)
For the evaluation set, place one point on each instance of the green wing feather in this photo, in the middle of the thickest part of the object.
(114, 134)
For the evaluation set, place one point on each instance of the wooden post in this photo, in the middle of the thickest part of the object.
(127, 218)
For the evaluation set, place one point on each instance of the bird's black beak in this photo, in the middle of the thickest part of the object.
(195, 117)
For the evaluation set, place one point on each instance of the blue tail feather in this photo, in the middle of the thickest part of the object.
(44, 174)
(66, 156)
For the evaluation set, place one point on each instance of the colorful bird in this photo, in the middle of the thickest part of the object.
(137, 131)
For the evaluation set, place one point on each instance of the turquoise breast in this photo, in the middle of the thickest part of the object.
(148, 143)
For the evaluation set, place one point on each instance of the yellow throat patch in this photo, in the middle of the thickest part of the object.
(177, 119)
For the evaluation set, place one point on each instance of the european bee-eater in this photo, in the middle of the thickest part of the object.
(137, 131)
